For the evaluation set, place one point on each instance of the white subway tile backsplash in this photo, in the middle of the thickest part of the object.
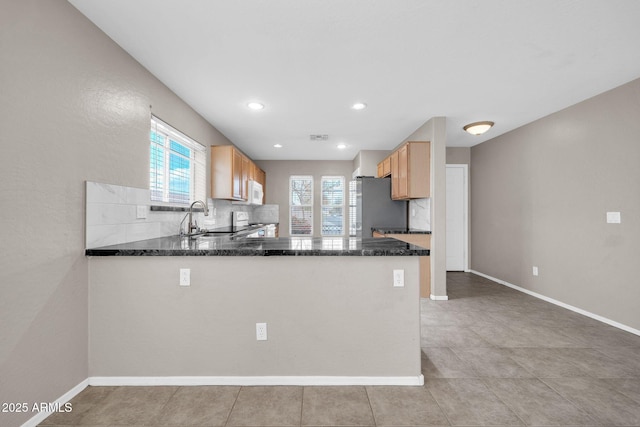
(105, 193)
(111, 215)
(422, 218)
(103, 235)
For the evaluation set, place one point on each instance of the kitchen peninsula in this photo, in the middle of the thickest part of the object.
(332, 311)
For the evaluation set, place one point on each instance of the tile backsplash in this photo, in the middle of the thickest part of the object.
(117, 214)
(422, 218)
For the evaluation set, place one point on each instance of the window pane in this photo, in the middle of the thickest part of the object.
(332, 191)
(156, 171)
(179, 148)
(352, 208)
(301, 192)
(332, 221)
(179, 179)
(332, 214)
(301, 220)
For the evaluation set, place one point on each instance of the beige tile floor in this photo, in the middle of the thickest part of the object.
(490, 356)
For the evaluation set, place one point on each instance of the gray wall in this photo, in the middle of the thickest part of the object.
(326, 316)
(459, 155)
(278, 173)
(74, 107)
(367, 161)
(539, 196)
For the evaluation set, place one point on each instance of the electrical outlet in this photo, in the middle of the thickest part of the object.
(141, 212)
(535, 270)
(185, 277)
(398, 278)
(261, 331)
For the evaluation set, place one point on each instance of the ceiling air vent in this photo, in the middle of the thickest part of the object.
(318, 137)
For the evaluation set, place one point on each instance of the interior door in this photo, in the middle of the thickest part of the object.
(456, 218)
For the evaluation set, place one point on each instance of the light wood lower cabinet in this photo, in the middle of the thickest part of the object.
(423, 240)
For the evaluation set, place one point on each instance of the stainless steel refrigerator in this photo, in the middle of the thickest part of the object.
(375, 208)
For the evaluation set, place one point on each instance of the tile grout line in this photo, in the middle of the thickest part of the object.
(232, 407)
(502, 401)
(373, 415)
(571, 402)
(301, 406)
(438, 404)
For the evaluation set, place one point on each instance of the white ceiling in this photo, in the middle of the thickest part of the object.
(308, 61)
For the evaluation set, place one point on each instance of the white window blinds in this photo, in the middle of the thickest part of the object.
(177, 172)
(332, 215)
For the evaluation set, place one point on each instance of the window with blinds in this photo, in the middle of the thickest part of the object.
(177, 172)
(332, 210)
(301, 205)
(352, 208)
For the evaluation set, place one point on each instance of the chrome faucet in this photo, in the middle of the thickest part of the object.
(191, 224)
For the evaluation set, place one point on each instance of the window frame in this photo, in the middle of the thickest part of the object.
(197, 165)
(310, 205)
(330, 205)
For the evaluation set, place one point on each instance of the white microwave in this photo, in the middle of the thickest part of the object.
(255, 193)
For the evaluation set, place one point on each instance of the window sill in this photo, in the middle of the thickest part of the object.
(161, 208)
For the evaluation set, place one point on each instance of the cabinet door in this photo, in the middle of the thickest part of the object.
(403, 172)
(394, 175)
(252, 171)
(386, 167)
(380, 170)
(246, 167)
(236, 173)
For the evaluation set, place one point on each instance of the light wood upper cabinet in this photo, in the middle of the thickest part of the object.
(230, 173)
(246, 170)
(384, 168)
(410, 171)
(394, 175)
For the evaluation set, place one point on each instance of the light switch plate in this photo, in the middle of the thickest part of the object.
(613, 218)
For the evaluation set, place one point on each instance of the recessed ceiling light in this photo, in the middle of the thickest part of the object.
(255, 105)
(341, 146)
(478, 128)
(359, 106)
(277, 145)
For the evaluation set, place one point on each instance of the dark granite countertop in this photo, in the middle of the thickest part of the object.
(243, 246)
(391, 230)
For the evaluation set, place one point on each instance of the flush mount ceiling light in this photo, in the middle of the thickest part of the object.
(478, 128)
(359, 106)
(341, 146)
(277, 145)
(255, 105)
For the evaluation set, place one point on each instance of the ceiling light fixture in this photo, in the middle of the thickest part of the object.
(277, 145)
(478, 128)
(255, 106)
(341, 146)
(359, 106)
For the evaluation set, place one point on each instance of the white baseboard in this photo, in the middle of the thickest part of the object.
(41, 416)
(256, 380)
(439, 297)
(560, 303)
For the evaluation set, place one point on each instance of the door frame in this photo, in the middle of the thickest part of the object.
(465, 211)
